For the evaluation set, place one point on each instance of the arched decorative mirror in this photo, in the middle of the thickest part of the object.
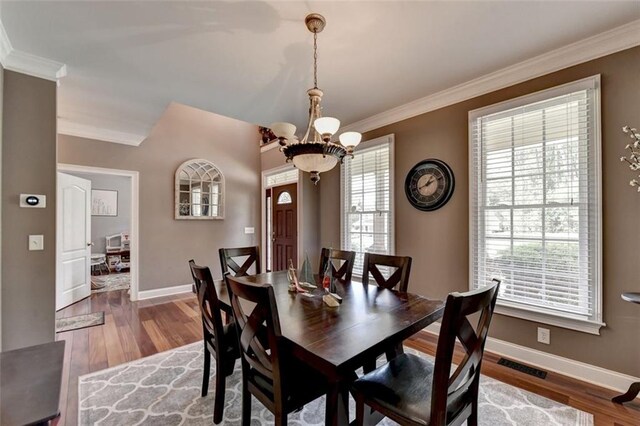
(199, 191)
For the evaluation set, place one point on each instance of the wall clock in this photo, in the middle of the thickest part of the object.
(429, 184)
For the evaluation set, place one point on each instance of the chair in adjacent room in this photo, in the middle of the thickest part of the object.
(412, 390)
(398, 279)
(220, 341)
(345, 271)
(228, 257)
(270, 372)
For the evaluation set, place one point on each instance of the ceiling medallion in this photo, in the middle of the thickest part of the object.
(315, 153)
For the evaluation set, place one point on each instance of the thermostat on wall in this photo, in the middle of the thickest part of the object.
(33, 201)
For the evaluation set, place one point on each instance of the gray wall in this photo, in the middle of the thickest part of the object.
(438, 241)
(101, 226)
(28, 166)
(181, 134)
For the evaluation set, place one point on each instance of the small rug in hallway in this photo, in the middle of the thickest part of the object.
(164, 389)
(113, 281)
(79, 321)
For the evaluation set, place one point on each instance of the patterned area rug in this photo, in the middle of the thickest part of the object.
(79, 321)
(113, 281)
(164, 389)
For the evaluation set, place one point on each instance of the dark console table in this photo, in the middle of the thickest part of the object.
(30, 381)
(634, 389)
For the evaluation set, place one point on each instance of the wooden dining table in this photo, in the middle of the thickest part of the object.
(337, 341)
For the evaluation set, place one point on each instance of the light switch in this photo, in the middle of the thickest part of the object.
(36, 242)
(249, 230)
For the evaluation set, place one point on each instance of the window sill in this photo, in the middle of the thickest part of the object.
(571, 323)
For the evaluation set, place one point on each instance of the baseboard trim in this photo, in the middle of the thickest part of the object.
(167, 291)
(568, 367)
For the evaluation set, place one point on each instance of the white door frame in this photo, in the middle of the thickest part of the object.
(263, 210)
(135, 203)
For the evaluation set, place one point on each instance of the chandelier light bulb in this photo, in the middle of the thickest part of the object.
(327, 127)
(283, 130)
(350, 139)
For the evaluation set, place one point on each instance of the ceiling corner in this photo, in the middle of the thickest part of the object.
(26, 63)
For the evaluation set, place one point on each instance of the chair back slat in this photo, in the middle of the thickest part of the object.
(345, 271)
(398, 280)
(208, 301)
(228, 262)
(258, 328)
(454, 392)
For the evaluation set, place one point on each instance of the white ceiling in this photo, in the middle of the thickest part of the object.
(253, 60)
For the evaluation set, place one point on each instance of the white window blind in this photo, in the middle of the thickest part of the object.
(367, 201)
(535, 201)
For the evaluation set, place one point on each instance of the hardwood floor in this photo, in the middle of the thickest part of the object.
(134, 330)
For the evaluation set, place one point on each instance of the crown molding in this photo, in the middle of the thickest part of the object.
(70, 128)
(606, 43)
(26, 63)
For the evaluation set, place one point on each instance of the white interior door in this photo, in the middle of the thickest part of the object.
(73, 245)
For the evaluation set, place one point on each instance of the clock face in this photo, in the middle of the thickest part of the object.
(429, 185)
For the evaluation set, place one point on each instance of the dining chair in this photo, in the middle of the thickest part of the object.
(412, 390)
(398, 280)
(228, 258)
(270, 371)
(219, 340)
(345, 271)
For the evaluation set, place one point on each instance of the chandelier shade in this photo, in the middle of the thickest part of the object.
(315, 153)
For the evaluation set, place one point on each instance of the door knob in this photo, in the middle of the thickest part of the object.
(89, 244)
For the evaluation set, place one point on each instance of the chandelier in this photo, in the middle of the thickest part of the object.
(315, 153)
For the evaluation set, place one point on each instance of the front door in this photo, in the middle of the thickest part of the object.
(73, 245)
(285, 225)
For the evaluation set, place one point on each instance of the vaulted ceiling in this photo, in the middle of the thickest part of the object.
(126, 61)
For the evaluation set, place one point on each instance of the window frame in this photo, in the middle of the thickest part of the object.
(528, 312)
(388, 139)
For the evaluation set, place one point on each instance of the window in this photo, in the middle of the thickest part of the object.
(284, 198)
(367, 201)
(535, 204)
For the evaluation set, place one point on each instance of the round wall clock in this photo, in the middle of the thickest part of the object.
(429, 184)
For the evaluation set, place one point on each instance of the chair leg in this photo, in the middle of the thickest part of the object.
(281, 419)
(206, 372)
(218, 406)
(359, 410)
(246, 405)
(473, 417)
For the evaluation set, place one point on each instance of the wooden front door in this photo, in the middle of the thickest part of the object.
(285, 225)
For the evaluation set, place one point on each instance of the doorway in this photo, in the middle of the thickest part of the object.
(284, 226)
(281, 214)
(109, 233)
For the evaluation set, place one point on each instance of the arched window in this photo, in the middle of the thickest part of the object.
(284, 198)
(199, 191)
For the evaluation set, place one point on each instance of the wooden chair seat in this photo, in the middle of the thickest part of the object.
(414, 391)
(402, 385)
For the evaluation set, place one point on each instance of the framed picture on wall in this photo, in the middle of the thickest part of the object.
(104, 202)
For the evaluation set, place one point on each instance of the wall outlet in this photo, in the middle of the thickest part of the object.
(249, 230)
(544, 335)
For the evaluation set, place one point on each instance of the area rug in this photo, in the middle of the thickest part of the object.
(102, 283)
(79, 321)
(164, 389)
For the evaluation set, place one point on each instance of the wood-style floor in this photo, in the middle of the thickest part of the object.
(134, 330)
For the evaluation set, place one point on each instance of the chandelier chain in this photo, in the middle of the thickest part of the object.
(315, 59)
